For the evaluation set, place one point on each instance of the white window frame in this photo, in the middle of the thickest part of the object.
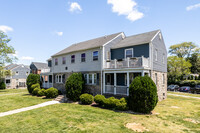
(93, 79)
(81, 57)
(156, 54)
(59, 78)
(127, 50)
(74, 58)
(163, 59)
(93, 56)
(16, 73)
(63, 63)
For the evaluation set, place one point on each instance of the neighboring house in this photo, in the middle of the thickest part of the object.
(19, 73)
(38, 67)
(110, 63)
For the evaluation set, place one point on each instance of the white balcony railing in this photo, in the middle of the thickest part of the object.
(47, 85)
(111, 89)
(128, 63)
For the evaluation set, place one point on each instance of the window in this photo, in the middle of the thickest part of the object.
(56, 61)
(49, 63)
(83, 57)
(128, 53)
(156, 78)
(156, 55)
(108, 55)
(163, 78)
(90, 79)
(95, 55)
(17, 73)
(27, 73)
(163, 59)
(73, 59)
(58, 78)
(160, 36)
(63, 60)
(7, 81)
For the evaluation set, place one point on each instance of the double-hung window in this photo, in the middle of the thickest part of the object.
(83, 57)
(58, 78)
(128, 53)
(90, 79)
(72, 58)
(63, 60)
(95, 55)
(56, 61)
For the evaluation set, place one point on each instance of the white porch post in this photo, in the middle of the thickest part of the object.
(115, 63)
(115, 83)
(142, 73)
(44, 81)
(104, 82)
(127, 83)
(48, 81)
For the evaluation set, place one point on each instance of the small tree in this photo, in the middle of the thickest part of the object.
(2, 85)
(32, 79)
(142, 95)
(74, 86)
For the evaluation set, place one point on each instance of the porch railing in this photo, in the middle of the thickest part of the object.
(47, 85)
(111, 89)
(128, 63)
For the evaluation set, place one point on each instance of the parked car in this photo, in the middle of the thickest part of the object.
(196, 89)
(173, 88)
(185, 89)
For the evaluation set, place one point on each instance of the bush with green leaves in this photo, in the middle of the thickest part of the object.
(33, 87)
(41, 92)
(74, 86)
(32, 79)
(86, 99)
(142, 95)
(110, 103)
(2, 85)
(121, 104)
(35, 91)
(99, 99)
(51, 92)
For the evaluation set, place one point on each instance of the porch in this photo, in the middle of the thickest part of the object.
(117, 82)
(47, 80)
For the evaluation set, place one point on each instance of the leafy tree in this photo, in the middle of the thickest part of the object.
(195, 61)
(178, 66)
(6, 53)
(184, 49)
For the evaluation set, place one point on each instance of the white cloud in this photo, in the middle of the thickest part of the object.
(26, 58)
(59, 33)
(193, 7)
(5, 28)
(74, 6)
(16, 54)
(127, 8)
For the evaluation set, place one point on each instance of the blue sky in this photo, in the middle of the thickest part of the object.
(41, 28)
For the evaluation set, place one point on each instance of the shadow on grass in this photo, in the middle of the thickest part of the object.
(3, 91)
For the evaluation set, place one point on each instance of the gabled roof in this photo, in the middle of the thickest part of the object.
(136, 39)
(14, 66)
(94, 43)
(40, 65)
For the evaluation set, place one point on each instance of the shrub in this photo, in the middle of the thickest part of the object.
(2, 85)
(196, 77)
(110, 103)
(32, 79)
(121, 104)
(51, 93)
(34, 86)
(142, 95)
(41, 92)
(86, 99)
(99, 99)
(74, 86)
(35, 91)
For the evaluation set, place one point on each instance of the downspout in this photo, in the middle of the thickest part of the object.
(102, 56)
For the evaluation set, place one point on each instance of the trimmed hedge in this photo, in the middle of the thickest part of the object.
(142, 95)
(33, 87)
(86, 99)
(121, 104)
(74, 86)
(41, 92)
(110, 103)
(32, 79)
(35, 91)
(99, 99)
(2, 85)
(51, 92)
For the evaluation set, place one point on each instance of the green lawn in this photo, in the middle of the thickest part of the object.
(186, 94)
(170, 115)
(15, 99)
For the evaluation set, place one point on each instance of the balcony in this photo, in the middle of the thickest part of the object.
(128, 63)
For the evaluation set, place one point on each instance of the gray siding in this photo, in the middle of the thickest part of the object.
(138, 51)
(162, 51)
(78, 66)
(22, 72)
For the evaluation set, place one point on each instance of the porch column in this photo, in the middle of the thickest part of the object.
(48, 81)
(104, 82)
(142, 73)
(127, 83)
(44, 81)
(115, 83)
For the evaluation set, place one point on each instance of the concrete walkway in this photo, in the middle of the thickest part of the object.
(28, 108)
(183, 96)
(12, 93)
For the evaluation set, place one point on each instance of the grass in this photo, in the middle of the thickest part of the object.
(7, 91)
(69, 117)
(18, 99)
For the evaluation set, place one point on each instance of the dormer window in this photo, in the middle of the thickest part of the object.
(129, 53)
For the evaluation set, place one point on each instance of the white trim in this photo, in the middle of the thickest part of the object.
(81, 57)
(126, 50)
(93, 55)
(156, 54)
(155, 35)
(113, 38)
